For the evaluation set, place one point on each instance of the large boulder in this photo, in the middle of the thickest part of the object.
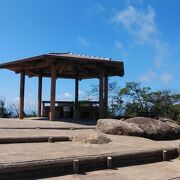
(118, 127)
(169, 120)
(161, 129)
(157, 129)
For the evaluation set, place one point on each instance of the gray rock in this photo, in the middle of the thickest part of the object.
(95, 138)
(157, 129)
(141, 126)
(169, 120)
(118, 127)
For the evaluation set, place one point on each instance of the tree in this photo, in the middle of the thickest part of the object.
(10, 111)
(162, 102)
(114, 101)
(142, 101)
(135, 99)
(175, 112)
(3, 110)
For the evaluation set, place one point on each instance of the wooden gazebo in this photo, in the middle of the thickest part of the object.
(65, 65)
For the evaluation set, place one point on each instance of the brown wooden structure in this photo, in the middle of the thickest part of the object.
(65, 65)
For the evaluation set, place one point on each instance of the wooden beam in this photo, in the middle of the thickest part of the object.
(39, 96)
(81, 69)
(32, 73)
(36, 65)
(61, 68)
(101, 98)
(106, 96)
(21, 99)
(59, 76)
(53, 92)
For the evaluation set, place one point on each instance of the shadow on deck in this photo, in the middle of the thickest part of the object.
(69, 120)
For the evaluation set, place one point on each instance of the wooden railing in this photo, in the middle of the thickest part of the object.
(85, 108)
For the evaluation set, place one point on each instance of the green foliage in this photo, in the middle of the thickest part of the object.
(137, 99)
(3, 110)
(142, 101)
(12, 111)
(175, 112)
(114, 101)
(7, 111)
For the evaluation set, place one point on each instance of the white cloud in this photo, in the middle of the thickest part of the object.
(149, 76)
(152, 76)
(30, 104)
(82, 93)
(16, 99)
(68, 96)
(162, 52)
(166, 77)
(118, 47)
(133, 2)
(65, 96)
(98, 8)
(141, 25)
(83, 41)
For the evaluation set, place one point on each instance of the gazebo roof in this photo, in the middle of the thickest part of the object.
(68, 65)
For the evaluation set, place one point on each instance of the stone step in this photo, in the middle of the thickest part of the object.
(61, 166)
(36, 139)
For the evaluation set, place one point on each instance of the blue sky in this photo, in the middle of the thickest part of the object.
(144, 34)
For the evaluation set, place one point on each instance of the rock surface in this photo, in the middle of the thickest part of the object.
(140, 126)
(95, 138)
(118, 127)
(169, 120)
(157, 129)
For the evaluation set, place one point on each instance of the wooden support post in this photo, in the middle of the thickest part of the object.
(43, 109)
(39, 96)
(76, 109)
(53, 92)
(101, 96)
(21, 99)
(106, 96)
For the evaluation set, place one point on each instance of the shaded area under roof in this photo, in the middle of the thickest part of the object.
(68, 65)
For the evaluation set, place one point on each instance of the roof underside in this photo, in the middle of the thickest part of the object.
(68, 66)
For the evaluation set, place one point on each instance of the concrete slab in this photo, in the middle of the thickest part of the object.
(39, 151)
(33, 123)
(14, 153)
(166, 170)
(35, 151)
(5, 133)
